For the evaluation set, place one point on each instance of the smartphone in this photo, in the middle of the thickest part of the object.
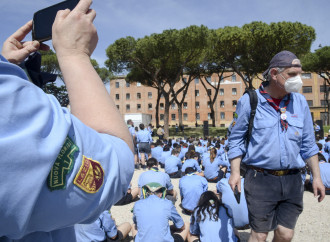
(237, 195)
(43, 19)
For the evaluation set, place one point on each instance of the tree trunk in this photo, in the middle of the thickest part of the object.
(166, 114)
(157, 108)
(212, 114)
(180, 114)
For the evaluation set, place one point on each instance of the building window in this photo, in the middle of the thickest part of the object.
(149, 95)
(173, 116)
(117, 96)
(209, 92)
(162, 95)
(184, 80)
(196, 93)
(307, 89)
(221, 92)
(138, 95)
(185, 116)
(208, 79)
(185, 105)
(234, 91)
(222, 115)
(138, 106)
(209, 116)
(128, 96)
(222, 125)
(161, 116)
(117, 106)
(222, 80)
(222, 104)
(197, 104)
(196, 80)
(149, 106)
(323, 88)
(197, 116)
(208, 104)
(138, 84)
(117, 84)
(161, 105)
(323, 103)
(128, 107)
(233, 78)
(234, 103)
(128, 84)
(310, 103)
(173, 106)
(306, 76)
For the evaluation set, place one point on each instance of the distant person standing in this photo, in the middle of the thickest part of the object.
(144, 139)
(160, 132)
(131, 130)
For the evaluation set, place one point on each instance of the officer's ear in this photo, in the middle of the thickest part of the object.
(273, 73)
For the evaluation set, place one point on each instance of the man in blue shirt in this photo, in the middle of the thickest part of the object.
(191, 187)
(152, 214)
(283, 129)
(173, 164)
(157, 151)
(131, 129)
(144, 139)
(68, 168)
(102, 229)
(155, 175)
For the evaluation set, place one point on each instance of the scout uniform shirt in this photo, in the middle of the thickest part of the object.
(54, 171)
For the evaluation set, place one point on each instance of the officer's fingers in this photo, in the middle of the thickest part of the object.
(322, 195)
(61, 14)
(83, 6)
(91, 14)
(20, 34)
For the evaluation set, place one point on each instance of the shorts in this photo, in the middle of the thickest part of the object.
(128, 198)
(221, 175)
(144, 148)
(177, 238)
(177, 174)
(119, 237)
(135, 150)
(273, 200)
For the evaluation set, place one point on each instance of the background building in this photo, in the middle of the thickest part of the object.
(136, 98)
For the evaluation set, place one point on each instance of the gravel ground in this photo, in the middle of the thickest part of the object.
(313, 223)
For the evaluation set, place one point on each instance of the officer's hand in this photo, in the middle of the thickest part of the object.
(318, 189)
(73, 32)
(15, 51)
(235, 180)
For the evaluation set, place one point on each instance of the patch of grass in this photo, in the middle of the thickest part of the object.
(198, 132)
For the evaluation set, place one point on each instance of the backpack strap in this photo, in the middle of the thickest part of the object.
(253, 103)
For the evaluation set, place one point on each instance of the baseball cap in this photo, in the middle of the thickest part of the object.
(283, 59)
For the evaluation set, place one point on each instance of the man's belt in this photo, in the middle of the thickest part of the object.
(275, 172)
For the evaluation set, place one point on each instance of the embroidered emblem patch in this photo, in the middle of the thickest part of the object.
(235, 115)
(90, 176)
(56, 179)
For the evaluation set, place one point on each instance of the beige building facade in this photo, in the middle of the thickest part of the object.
(136, 98)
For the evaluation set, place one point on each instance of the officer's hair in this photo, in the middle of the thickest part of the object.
(189, 170)
(159, 142)
(166, 148)
(279, 70)
(175, 151)
(152, 162)
(213, 154)
(192, 154)
(141, 126)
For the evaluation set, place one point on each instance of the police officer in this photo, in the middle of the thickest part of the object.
(283, 129)
(66, 168)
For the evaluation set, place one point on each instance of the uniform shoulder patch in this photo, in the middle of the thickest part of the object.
(90, 175)
(56, 179)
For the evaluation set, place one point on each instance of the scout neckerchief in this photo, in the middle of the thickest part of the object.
(284, 122)
(154, 169)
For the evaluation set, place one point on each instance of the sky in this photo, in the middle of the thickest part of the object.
(120, 18)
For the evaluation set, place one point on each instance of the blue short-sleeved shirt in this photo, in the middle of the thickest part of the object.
(200, 149)
(191, 163)
(157, 153)
(52, 187)
(239, 211)
(211, 230)
(269, 146)
(191, 188)
(99, 230)
(151, 215)
(211, 168)
(164, 156)
(183, 152)
(325, 173)
(172, 164)
(154, 175)
(143, 136)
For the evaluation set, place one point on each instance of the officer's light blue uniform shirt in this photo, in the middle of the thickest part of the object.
(200, 149)
(239, 211)
(143, 136)
(165, 155)
(211, 230)
(191, 188)
(325, 174)
(157, 153)
(155, 176)
(98, 230)
(224, 161)
(183, 153)
(33, 129)
(270, 147)
(172, 164)
(191, 163)
(211, 169)
(151, 215)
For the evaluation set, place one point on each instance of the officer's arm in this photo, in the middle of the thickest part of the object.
(318, 187)
(89, 100)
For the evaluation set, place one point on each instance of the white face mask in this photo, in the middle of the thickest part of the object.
(293, 84)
